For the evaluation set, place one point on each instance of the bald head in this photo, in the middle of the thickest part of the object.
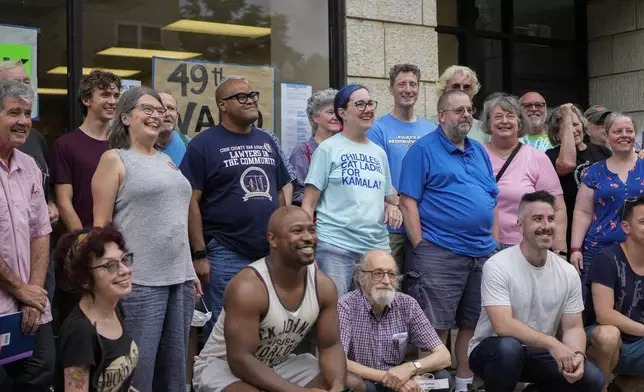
(229, 85)
(283, 217)
(531, 96)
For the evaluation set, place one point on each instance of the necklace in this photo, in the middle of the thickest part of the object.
(497, 152)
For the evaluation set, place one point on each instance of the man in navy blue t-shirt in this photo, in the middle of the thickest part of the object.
(237, 176)
(615, 311)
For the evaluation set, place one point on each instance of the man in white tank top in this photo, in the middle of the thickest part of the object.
(268, 309)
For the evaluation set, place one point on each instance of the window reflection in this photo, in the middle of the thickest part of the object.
(50, 18)
(291, 35)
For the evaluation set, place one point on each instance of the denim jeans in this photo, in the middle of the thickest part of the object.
(502, 362)
(338, 263)
(224, 264)
(373, 386)
(158, 319)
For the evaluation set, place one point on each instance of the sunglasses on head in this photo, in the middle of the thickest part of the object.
(629, 201)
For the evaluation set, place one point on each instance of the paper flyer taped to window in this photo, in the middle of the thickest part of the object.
(295, 123)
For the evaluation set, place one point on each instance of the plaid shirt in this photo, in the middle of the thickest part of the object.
(380, 343)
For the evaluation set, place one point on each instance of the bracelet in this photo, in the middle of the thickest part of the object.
(573, 250)
(582, 354)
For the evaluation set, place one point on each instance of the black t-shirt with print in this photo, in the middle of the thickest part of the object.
(570, 182)
(111, 362)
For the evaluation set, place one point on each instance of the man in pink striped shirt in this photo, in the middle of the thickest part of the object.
(24, 241)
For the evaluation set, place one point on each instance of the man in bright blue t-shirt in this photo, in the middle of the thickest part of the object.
(170, 141)
(396, 132)
(237, 176)
(448, 200)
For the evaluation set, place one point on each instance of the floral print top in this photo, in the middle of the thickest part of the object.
(610, 194)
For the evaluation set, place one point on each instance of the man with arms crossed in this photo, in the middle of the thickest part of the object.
(448, 200)
(528, 294)
(377, 322)
(616, 310)
(396, 132)
(268, 309)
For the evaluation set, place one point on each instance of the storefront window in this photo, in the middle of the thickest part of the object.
(48, 21)
(289, 35)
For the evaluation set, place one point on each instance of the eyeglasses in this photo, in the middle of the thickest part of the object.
(112, 265)
(460, 111)
(243, 97)
(459, 86)
(149, 109)
(536, 105)
(379, 275)
(630, 200)
(362, 105)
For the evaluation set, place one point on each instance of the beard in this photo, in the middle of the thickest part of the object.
(383, 297)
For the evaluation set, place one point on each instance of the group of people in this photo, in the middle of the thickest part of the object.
(374, 236)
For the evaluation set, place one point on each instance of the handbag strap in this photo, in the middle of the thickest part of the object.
(507, 163)
(308, 152)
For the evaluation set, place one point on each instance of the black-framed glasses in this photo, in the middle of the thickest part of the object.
(536, 105)
(460, 111)
(379, 275)
(362, 105)
(149, 109)
(630, 200)
(243, 97)
(112, 265)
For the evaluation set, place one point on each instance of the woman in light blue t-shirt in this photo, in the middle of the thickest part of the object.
(349, 187)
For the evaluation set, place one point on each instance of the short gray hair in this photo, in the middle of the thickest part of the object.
(5, 65)
(508, 103)
(319, 100)
(610, 119)
(358, 274)
(119, 132)
(553, 122)
(15, 89)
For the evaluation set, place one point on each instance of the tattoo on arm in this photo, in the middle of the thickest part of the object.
(76, 379)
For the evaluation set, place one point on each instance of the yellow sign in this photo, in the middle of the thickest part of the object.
(193, 84)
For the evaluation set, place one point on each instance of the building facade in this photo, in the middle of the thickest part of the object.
(586, 52)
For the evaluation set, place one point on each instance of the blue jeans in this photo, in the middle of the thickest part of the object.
(373, 386)
(502, 362)
(338, 263)
(224, 264)
(158, 319)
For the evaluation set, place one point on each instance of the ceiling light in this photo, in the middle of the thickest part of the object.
(52, 91)
(197, 26)
(123, 73)
(147, 53)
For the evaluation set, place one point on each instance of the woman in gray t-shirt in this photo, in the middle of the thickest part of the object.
(141, 190)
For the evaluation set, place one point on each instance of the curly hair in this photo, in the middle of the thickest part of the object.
(97, 79)
(75, 252)
(444, 79)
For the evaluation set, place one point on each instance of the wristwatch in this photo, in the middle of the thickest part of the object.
(418, 366)
(199, 254)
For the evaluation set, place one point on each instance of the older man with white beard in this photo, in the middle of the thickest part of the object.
(534, 107)
(377, 322)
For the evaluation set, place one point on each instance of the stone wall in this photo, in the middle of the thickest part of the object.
(382, 33)
(616, 56)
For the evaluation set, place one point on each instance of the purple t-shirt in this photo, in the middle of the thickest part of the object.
(74, 158)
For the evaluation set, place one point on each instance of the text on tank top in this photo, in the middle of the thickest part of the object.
(281, 330)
